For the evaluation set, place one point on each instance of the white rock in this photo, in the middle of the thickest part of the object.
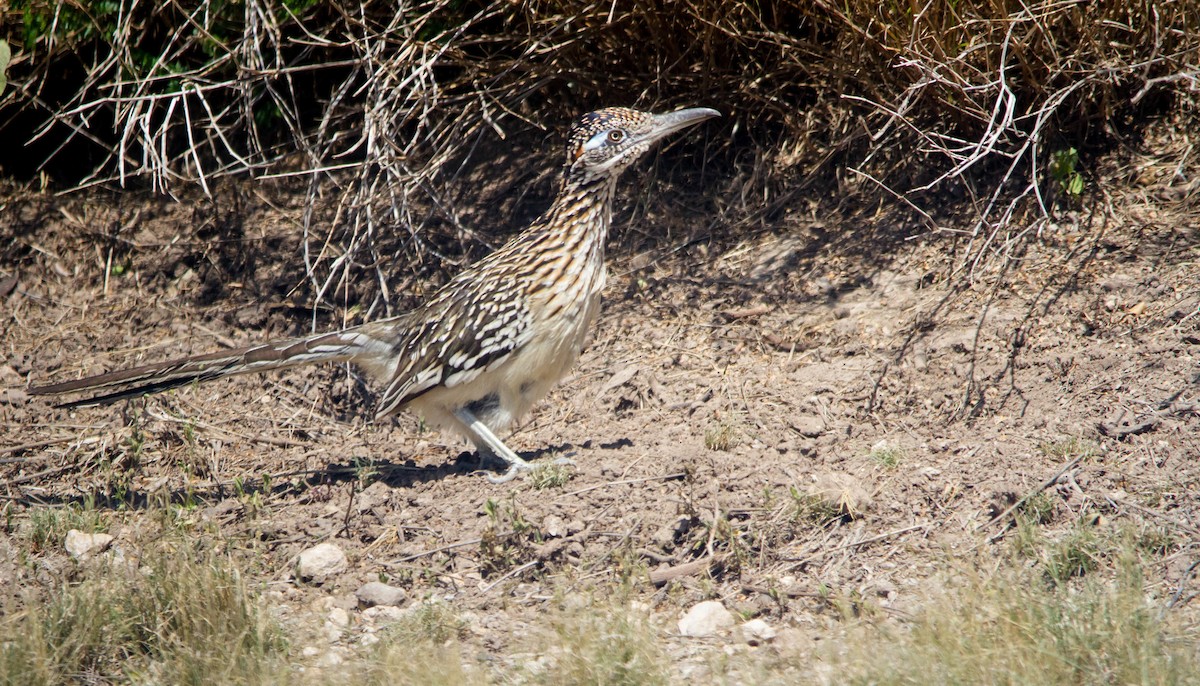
(376, 593)
(554, 526)
(809, 427)
(81, 546)
(705, 619)
(336, 624)
(843, 493)
(339, 617)
(320, 562)
(383, 614)
(310, 651)
(756, 632)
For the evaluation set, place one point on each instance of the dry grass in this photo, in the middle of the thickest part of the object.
(980, 105)
(1013, 628)
(423, 648)
(603, 643)
(176, 612)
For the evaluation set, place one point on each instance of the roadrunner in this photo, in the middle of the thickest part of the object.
(492, 341)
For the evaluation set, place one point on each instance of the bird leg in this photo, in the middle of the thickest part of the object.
(487, 442)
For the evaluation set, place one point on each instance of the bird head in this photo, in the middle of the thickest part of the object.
(605, 142)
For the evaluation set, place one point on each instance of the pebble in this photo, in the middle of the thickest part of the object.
(339, 617)
(809, 427)
(376, 593)
(13, 396)
(331, 659)
(81, 546)
(336, 624)
(382, 614)
(842, 492)
(320, 562)
(883, 588)
(705, 619)
(756, 632)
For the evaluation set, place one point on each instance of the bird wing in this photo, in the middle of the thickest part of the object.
(457, 336)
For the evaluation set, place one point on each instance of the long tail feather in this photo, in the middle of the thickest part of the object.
(345, 345)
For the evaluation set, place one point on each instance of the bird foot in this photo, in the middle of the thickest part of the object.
(515, 465)
(515, 468)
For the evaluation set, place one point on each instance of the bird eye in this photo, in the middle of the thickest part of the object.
(616, 136)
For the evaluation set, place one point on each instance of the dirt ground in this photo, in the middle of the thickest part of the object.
(815, 364)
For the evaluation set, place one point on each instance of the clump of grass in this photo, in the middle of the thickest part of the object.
(507, 540)
(604, 645)
(48, 526)
(1075, 553)
(432, 621)
(886, 454)
(813, 508)
(1037, 508)
(1070, 448)
(423, 663)
(723, 436)
(1012, 628)
(550, 475)
(184, 616)
(423, 648)
(1157, 540)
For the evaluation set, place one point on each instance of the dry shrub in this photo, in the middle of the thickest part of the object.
(387, 116)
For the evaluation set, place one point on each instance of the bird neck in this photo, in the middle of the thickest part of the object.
(583, 211)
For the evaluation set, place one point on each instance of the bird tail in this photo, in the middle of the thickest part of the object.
(347, 345)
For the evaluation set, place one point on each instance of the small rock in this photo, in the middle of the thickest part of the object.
(81, 546)
(790, 640)
(226, 508)
(368, 640)
(339, 617)
(13, 396)
(331, 659)
(842, 492)
(883, 588)
(346, 601)
(809, 427)
(310, 651)
(320, 562)
(382, 614)
(374, 498)
(756, 632)
(377, 593)
(336, 624)
(554, 526)
(705, 619)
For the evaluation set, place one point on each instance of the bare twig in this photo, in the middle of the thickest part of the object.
(1025, 498)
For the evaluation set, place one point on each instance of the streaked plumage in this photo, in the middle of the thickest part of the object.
(492, 341)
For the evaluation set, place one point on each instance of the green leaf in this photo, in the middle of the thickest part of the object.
(1076, 185)
(5, 58)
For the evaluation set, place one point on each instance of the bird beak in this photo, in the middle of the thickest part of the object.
(666, 124)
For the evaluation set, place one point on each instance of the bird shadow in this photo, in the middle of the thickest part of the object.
(358, 472)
